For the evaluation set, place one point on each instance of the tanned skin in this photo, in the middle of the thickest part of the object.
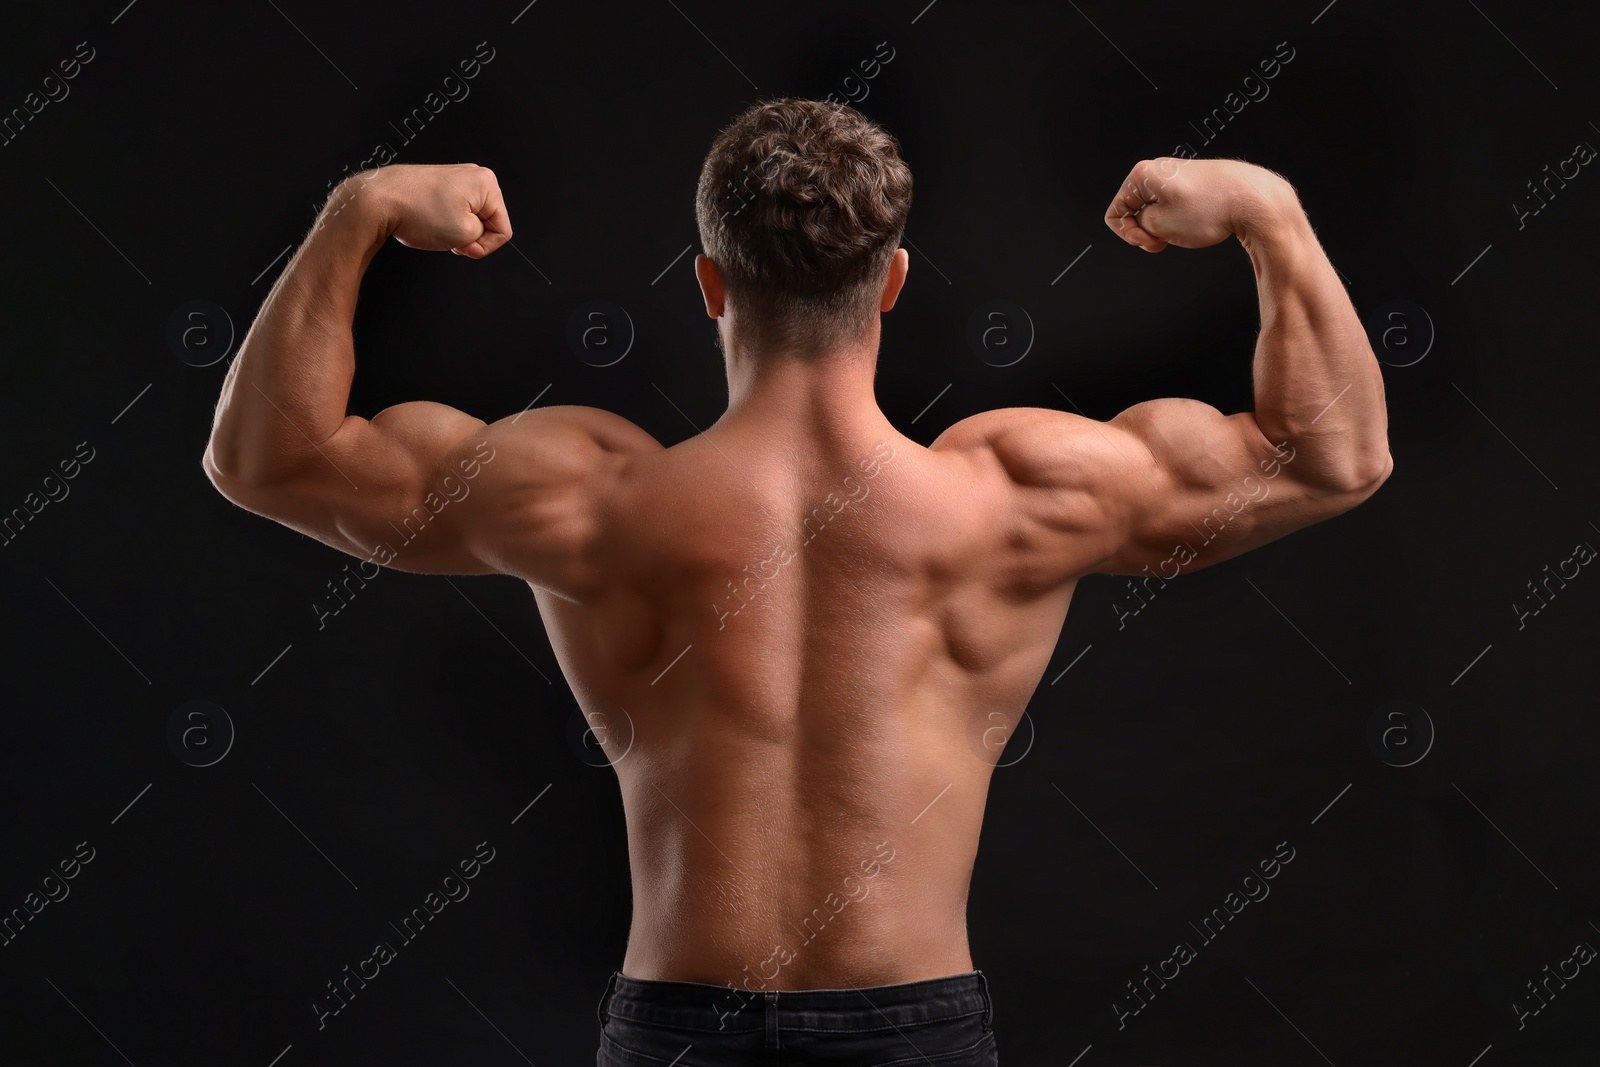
(804, 777)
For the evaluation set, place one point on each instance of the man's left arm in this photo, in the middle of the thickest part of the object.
(420, 486)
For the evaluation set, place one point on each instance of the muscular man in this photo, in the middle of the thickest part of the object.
(797, 631)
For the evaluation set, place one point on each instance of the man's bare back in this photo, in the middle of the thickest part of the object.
(801, 637)
(796, 649)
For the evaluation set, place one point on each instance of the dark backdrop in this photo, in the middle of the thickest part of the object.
(1375, 696)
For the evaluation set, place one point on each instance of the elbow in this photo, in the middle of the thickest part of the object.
(1352, 481)
(1387, 469)
(222, 467)
(1365, 478)
(231, 473)
(210, 462)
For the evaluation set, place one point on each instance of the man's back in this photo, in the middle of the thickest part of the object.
(803, 659)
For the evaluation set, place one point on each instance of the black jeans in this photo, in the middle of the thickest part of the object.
(945, 1021)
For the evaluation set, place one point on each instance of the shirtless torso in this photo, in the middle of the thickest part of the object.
(802, 638)
(794, 663)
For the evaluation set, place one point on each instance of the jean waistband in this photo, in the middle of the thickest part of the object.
(701, 1006)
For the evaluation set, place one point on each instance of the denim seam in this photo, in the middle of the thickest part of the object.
(876, 1028)
(800, 1027)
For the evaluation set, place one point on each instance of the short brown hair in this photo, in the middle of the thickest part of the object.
(801, 206)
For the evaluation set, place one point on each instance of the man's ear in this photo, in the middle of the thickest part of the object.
(710, 285)
(898, 266)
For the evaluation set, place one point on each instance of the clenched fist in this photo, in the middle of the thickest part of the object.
(1193, 203)
(438, 206)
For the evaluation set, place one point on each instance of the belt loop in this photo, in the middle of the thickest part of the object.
(605, 998)
(770, 1013)
(988, 1002)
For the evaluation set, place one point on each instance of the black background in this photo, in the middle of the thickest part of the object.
(1229, 715)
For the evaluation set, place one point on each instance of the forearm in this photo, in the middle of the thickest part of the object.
(288, 388)
(1317, 384)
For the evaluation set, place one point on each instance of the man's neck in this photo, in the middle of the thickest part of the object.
(829, 394)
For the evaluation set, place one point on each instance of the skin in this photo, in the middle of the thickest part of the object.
(803, 780)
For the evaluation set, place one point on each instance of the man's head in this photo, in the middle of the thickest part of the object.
(801, 206)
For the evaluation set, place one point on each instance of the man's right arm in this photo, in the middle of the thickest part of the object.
(1173, 485)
